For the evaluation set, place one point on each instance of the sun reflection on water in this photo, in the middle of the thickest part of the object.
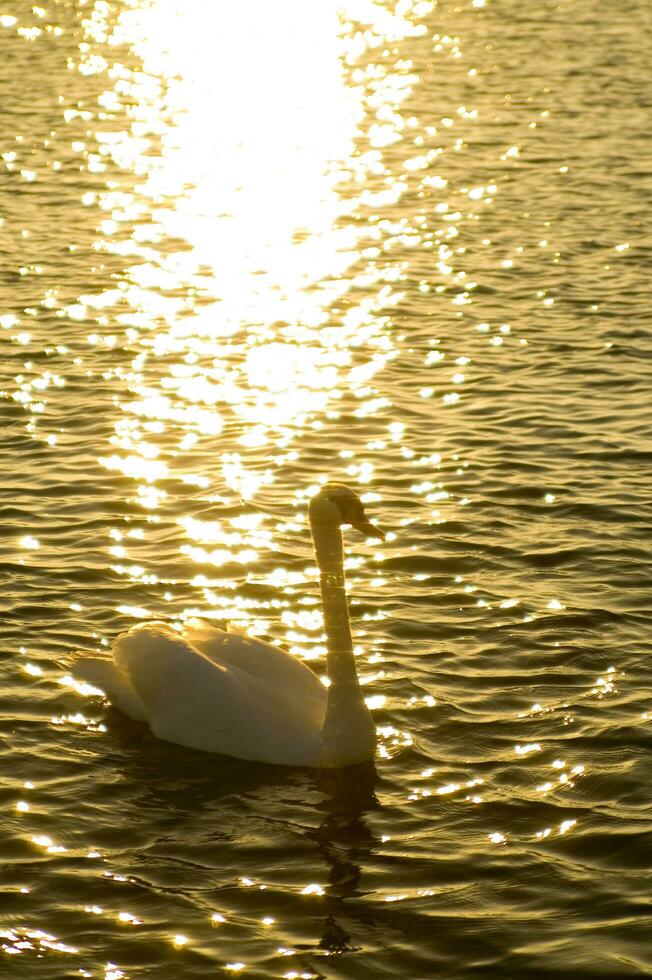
(255, 302)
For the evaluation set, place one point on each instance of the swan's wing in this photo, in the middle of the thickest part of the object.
(274, 666)
(103, 674)
(197, 701)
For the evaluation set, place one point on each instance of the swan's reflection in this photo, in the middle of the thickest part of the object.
(343, 836)
(344, 841)
(207, 803)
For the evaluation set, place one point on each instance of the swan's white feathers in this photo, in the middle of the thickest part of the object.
(217, 691)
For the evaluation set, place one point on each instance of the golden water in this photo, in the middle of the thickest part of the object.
(250, 248)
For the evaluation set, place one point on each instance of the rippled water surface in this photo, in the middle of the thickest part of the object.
(247, 248)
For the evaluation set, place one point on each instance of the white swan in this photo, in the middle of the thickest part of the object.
(233, 694)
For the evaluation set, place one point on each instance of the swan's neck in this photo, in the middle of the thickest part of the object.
(340, 662)
(348, 733)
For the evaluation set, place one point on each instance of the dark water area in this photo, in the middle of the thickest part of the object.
(247, 250)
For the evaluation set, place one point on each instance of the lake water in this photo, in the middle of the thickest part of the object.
(246, 249)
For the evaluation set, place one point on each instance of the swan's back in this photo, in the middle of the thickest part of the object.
(249, 653)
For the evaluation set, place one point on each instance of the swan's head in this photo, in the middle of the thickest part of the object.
(337, 504)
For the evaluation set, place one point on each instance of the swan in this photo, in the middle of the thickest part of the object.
(224, 692)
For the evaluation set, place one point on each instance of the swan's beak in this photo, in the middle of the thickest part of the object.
(368, 529)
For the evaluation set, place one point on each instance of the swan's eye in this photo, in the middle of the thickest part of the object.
(352, 512)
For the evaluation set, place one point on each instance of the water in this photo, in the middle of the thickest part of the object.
(247, 250)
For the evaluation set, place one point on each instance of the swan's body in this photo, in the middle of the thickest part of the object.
(236, 695)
